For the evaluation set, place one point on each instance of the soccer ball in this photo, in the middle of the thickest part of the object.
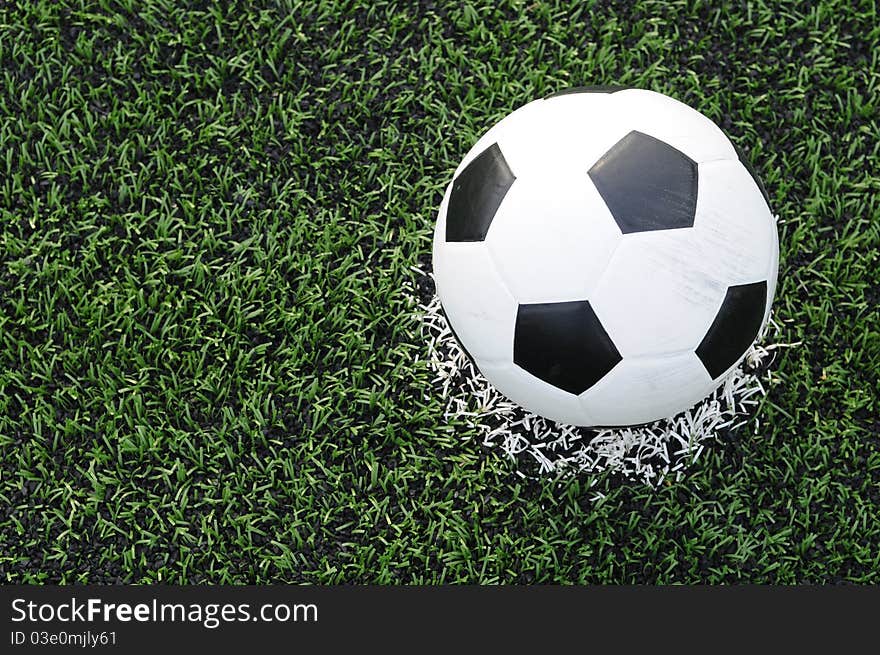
(605, 256)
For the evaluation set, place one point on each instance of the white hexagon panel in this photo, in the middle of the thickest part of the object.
(552, 238)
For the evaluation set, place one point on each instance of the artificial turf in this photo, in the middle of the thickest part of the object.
(211, 363)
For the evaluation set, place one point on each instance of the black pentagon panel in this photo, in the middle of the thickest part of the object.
(745, 162)
(602, 88)
(476, 195)
(735, 327)
(564, 344)
(647, 184)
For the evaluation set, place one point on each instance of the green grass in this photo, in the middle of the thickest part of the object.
(210, 362)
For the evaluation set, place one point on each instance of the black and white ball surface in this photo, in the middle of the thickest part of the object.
(605, 256)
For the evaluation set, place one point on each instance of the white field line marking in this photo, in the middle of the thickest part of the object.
(647, 454)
